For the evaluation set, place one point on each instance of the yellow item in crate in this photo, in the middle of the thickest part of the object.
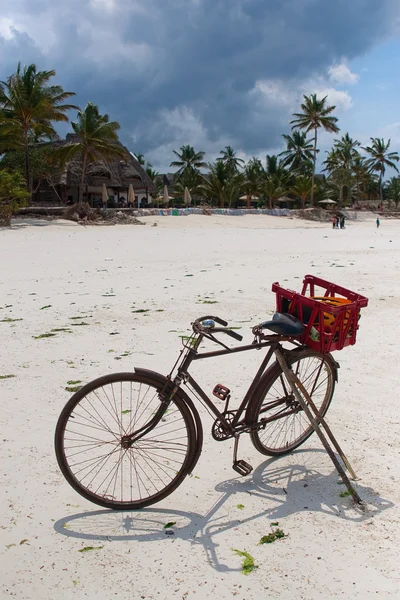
(334, 301)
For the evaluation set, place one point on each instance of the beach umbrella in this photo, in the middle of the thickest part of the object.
(131, 195)
(246, 197)
(104, 195)
(327, 201)
(166, 196)
(187, 197)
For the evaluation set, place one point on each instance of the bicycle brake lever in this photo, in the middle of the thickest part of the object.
(220, 321)
(233, 334)
(229, 332)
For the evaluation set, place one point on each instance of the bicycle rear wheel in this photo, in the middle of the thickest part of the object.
(284, 424)
(92, 458)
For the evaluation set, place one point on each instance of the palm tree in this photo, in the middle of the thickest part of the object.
(273, 188)
(338, 181)
(140, 158)
(316, 114)
(192, 180)
(343, 159)
(302, 188)
(95, 138)
(365, 179)
(221, 185)
(152, 173)
(188, 159)
(254, 174)
(230, 159)
(347, 151)
(298, 155)
(380, 159)
(393, 190)
(28, 106)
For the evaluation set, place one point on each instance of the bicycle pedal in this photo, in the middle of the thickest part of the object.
(242, 467)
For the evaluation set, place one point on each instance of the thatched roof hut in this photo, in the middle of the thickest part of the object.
(118, 173)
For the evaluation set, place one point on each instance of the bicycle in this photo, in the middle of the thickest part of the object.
(128, 440)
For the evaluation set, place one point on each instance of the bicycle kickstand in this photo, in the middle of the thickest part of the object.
(240, 466)
(305, 402)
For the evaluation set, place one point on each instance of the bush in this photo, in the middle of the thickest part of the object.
(13, 194)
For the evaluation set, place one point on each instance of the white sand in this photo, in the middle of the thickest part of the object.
(331, 549)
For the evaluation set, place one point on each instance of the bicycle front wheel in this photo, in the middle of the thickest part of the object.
(284, 424)
(89, 449)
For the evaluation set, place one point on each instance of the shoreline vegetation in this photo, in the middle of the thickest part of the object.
(32, 157)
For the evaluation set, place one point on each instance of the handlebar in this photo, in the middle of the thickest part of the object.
(207, 324)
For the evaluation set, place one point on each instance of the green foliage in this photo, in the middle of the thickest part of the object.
(302, 188)
(232, 162)
(169, 525)
(222, 184)
(248, 564)
(29, 104)
(298, 155)
(392, 189)
(188, 159)
(316, 115)
(274, 186)
(277, 534)
(380, 159)
(44, 164)
(90, 548)
(13, 194)
(95, 138)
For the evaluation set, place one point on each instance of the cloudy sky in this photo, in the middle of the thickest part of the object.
(214, 72)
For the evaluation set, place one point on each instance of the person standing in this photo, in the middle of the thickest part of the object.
(377, 222)
(334, 222)
(337, 221)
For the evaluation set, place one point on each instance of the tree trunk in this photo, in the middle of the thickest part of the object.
(313, 173)
(27, 165)
(381, 189)
(341, 196)
(82, 185)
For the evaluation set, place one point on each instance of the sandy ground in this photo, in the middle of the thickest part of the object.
(104, 273)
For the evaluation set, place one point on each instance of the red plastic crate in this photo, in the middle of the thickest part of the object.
(327, 327)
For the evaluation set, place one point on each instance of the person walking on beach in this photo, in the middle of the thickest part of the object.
(334, 222)
(377, 223)
(337, 221)
(342, 220)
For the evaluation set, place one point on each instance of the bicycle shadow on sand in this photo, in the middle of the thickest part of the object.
(284, 487)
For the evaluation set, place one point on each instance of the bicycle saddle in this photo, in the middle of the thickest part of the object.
(284, 324)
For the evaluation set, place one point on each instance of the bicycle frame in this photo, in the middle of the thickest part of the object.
(236, 425)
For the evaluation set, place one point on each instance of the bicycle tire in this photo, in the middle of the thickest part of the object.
(139, 476)
(286, 427)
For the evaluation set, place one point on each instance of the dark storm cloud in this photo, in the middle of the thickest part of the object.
(142, 60)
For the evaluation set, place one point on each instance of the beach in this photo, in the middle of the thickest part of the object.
(54, 272)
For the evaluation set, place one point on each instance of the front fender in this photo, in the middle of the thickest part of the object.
(188, 401)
